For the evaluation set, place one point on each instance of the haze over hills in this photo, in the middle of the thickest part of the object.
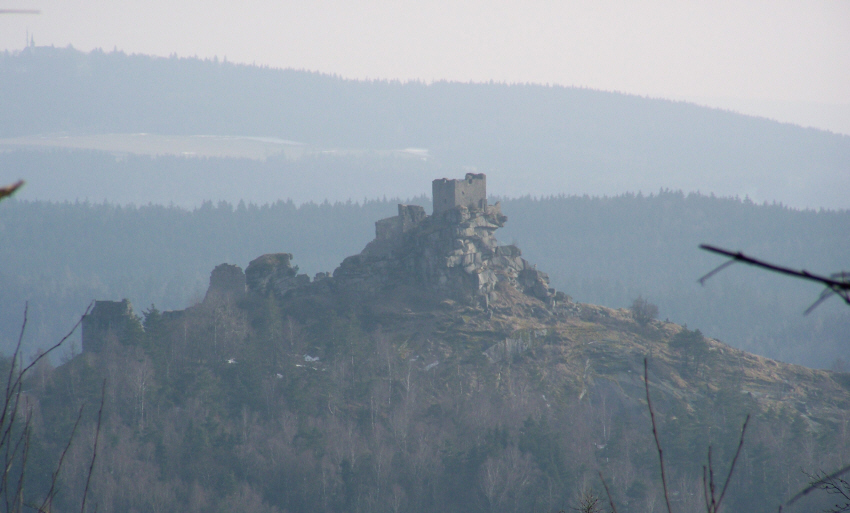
(122, 129)
(530, 139)
(478, 354)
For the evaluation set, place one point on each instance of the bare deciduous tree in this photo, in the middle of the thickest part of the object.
(643, 312)
(16, 430)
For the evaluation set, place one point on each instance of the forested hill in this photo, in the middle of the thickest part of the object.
(276, 395)
(528, 138)
(599, 250)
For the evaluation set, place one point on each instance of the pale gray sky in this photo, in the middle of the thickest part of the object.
(788, 60)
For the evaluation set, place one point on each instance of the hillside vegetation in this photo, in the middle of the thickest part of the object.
(400, 403)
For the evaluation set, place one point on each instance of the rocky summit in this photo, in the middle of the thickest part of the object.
(451, 253)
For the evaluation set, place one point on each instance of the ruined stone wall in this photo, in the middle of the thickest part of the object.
(454, 253)
(227, 282)
(408, 217)
(471, 192)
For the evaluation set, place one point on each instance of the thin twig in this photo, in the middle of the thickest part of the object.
(826, 294)
(13, 386)
(56, 345)
(15, 358)
(48, 499)
(94, 450)
(816, 484)
(655, 434)
(711, 481)
(608, 493)
(18, 377)
(19, 493)
(714, 271)
(838, 283)
(734, 460)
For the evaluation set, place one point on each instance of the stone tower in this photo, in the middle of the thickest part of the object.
(471, 192)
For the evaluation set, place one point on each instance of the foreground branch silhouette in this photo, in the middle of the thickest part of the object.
(8, 190)
(712, 500)
(836, 283)
(15, 433)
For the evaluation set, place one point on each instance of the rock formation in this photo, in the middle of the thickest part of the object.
(452, 253)
(226, 282)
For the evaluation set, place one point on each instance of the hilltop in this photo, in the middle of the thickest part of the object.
(434, 370)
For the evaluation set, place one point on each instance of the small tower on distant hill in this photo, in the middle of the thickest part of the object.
(471, 192)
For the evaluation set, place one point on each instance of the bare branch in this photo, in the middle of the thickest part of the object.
(94, 450)
(838, 283)
(817, 484)
(608, 493)
(8, 190)
(655, 434)
(711, 481)
(58, 344)
(734, 460)
(19, 493)
(48, 499)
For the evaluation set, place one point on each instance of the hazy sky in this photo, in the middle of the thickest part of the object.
(785, 60)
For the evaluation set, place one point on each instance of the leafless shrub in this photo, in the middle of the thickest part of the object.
(588, 502)
(643, 312)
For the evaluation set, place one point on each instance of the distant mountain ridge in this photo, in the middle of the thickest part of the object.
(531, 139)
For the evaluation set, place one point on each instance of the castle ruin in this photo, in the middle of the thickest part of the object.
(452, 253)
(471, 192)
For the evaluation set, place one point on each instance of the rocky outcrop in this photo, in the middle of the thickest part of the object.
(274, 273)
(227, 282)
(452, 253)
